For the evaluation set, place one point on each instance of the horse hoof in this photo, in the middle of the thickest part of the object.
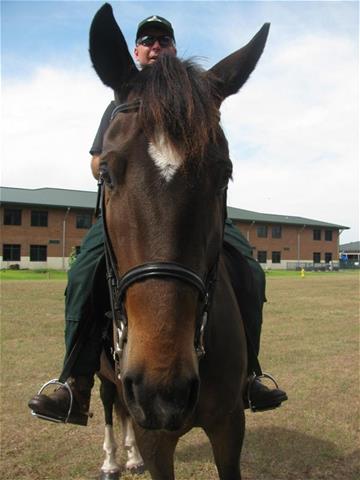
(109, 475)
(137, 469)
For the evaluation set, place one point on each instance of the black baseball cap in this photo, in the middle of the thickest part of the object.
(157, 22)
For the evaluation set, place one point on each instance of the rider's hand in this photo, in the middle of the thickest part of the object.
(95, 166)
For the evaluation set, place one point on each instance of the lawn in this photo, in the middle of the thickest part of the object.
(310, 342)
(32, 275)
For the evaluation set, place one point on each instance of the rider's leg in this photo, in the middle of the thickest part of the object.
(261, 397)
(78, 315)
(79, 308)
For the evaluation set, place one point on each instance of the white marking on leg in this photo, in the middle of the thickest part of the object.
(134, 458)
(165, 156)
(110, 446)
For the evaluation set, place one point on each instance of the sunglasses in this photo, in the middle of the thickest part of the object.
(149, 40)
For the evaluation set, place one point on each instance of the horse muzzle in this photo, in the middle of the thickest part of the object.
(160, 407)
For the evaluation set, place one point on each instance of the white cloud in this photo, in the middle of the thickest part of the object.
(49, 122)
(293, 133)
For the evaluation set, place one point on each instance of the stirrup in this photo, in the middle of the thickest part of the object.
(55, 381)
(251, 381)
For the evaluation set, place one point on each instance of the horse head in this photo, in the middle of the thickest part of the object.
(166, 166)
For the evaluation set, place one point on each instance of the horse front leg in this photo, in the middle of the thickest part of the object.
(134, 462)
(157, 450)
(226, 439)
(110, 469)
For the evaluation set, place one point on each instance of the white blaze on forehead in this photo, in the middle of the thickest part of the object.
(165, 156)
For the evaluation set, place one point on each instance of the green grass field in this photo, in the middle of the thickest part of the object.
(61, 275)
(32, 275)
(310, 342)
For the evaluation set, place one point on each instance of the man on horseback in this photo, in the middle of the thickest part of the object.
(83, 334)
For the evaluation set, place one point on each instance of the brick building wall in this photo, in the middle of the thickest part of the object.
(62, 224)
(295, 244)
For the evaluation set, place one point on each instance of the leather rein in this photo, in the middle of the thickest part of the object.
(118, 285)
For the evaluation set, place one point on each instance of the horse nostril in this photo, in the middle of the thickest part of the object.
(128, 384)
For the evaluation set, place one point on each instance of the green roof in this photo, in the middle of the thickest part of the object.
(350, 247)
(50, 197)
(58, 197)
(257, 217)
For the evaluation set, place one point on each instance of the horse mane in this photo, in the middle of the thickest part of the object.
(178, 100)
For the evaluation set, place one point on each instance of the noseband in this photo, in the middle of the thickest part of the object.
(118, 285)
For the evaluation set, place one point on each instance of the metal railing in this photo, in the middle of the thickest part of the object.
(313, 267)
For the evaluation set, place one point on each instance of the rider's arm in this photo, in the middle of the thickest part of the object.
(97, 145)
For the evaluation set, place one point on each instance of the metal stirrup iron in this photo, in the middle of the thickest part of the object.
(55, 381)
(251, 381)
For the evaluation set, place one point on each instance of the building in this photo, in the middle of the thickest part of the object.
(42, 227)
(282, 241)
(350, 254)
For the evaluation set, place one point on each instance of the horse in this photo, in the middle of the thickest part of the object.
(179, 340)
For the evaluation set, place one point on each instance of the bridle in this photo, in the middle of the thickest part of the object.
(118, 285)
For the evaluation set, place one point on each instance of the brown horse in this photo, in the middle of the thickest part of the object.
(180, 340)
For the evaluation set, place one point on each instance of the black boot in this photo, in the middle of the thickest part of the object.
(55, 406)
(260, 398)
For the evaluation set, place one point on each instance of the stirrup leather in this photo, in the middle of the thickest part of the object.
(253, 407)
(65, 419)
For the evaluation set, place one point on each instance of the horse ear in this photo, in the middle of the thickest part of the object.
(109, 52)
(232, 72)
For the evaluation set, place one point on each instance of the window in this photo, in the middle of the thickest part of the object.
(276, 231)
(316, 257)
(39, 218)
(328, 257)
(261, 231)
(83, 220)
(11, 253)
(12, 216)
(276, 257)
(262, 256)
(316, 234)
(38, 253)
(328, 235)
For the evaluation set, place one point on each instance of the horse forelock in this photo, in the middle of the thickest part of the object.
(178, 109)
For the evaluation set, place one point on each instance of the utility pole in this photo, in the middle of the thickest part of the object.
(64, 238)
(299, 244)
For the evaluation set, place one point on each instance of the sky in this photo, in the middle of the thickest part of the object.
(292, 128)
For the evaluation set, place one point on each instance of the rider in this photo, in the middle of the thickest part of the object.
(154, 35)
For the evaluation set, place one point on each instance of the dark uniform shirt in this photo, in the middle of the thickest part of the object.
(97, 145)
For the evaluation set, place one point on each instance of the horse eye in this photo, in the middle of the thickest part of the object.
(223, 178)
